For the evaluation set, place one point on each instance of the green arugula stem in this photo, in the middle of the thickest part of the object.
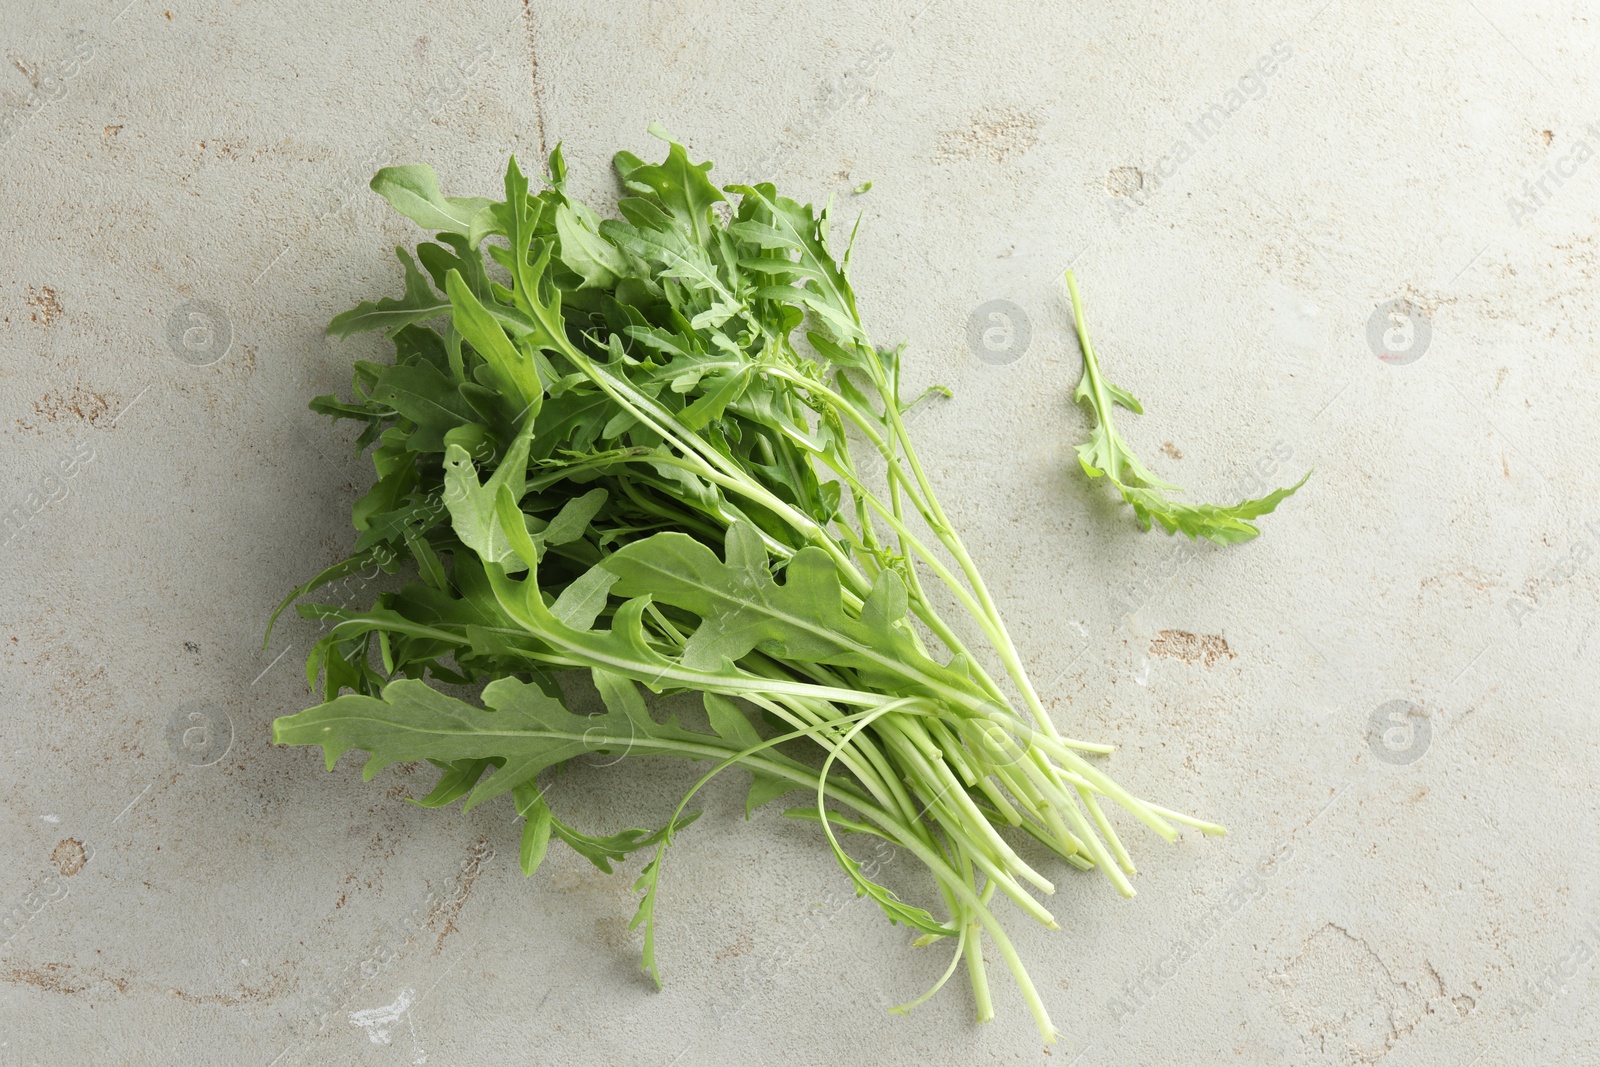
(980, 606)
(711, 465)
(963, 889)
(1091, 370)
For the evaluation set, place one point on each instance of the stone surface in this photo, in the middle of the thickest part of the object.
(1388, 697)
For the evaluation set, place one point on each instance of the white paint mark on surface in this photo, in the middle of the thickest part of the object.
(377, 1022)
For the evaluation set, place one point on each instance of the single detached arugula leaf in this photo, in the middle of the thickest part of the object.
(1107, 455)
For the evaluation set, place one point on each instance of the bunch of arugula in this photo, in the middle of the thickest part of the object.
(605, 449)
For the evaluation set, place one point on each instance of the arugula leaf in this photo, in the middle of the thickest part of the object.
(418, 304)
(742, 608)
(512, 370)
(413, 191)
(426, 397)
(353, 564)
(472, 503)
(731, 725)
(782, 224)
(584, 251)
(520, 728)
(1107, 455)
(536, 829)
(680, 187)
(456, 782)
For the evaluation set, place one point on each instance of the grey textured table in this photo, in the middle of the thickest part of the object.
(1341, 236)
